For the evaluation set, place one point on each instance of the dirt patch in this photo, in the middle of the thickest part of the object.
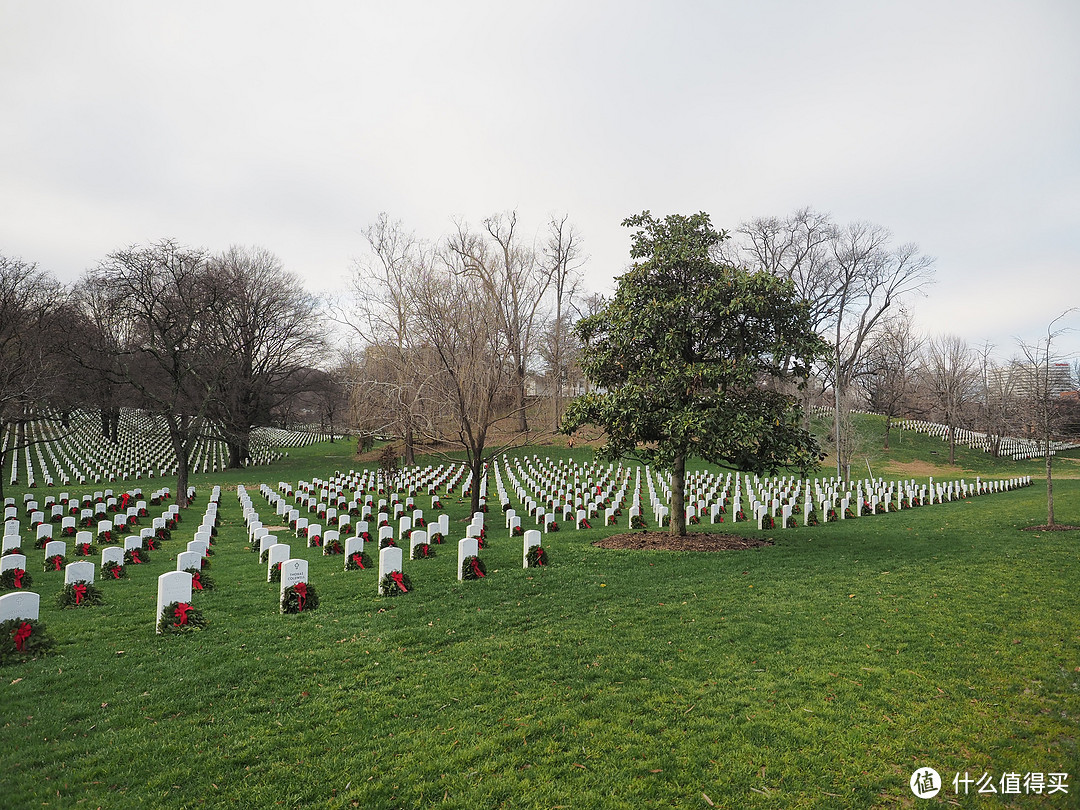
(695, 541)
(918, 469)
(1057, 527)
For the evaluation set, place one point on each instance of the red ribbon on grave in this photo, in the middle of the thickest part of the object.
(115, 571)
(22, 634)
(356, 558)
(181, 613)
(18, 575)
(80, 592)
(56, 558)
(196, 582)
(84, 549)
(539, 555)
(476, 567)
(135, 556)
(399, 580)
(301, 594)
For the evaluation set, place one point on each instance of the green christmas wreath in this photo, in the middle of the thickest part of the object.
(79, 594)
(23, 639)
(299, 598)
(199, 580)
(357, 560)
(473, 568)
(394, 583)
(15, 579)
(180, 617)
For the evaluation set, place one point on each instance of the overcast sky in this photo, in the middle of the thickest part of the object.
(955, 123)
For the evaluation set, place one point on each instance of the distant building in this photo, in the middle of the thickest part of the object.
(1023, 381)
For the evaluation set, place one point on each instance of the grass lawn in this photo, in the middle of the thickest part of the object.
(819, 672)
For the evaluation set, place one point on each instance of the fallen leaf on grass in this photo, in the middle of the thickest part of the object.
(708, 801)
(15, 681)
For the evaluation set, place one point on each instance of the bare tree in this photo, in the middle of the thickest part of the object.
(1043, 392)
(388, 396)
(871, 277)
(891, 367)
(30, 301)
(269, 336)
(516, 281)
(851, 276)
(562, 256)
(951, 378)
(473, 383)
(156, 313)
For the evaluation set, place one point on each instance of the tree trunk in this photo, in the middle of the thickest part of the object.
(477, 467)
(523, 422)
(677, 523)
(888, 429)
(20, 442)
(239, 447)
(1049, 486)
(410, 445)
(179, 432)
(952, 444)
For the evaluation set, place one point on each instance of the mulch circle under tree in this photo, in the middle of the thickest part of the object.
(693, 541)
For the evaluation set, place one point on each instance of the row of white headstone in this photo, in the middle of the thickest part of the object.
(25, 605)
(585, 490)
(177, 586)
(79, 453)
(1013, 447)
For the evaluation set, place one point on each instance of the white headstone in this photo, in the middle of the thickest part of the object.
(188, 559)
(54, 547)
(532, 538)
(466, 548)
(389, 560)
(112, 554)
(293, 572)
(354, 545)
(9, 561)
(277, 553)
(78, 572)
(174, 586)
(19, 605)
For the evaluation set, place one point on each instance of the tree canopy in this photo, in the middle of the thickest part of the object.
(689, 356)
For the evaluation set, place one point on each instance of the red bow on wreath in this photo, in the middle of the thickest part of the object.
(18, 574)
(80, 592)
(135, 556)
(181, 612)
(301, 593)
(356, 558)
(115, 572)
(476, 567)
(56, 562)
(399, 581)
(196, 582)
(21, 635)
